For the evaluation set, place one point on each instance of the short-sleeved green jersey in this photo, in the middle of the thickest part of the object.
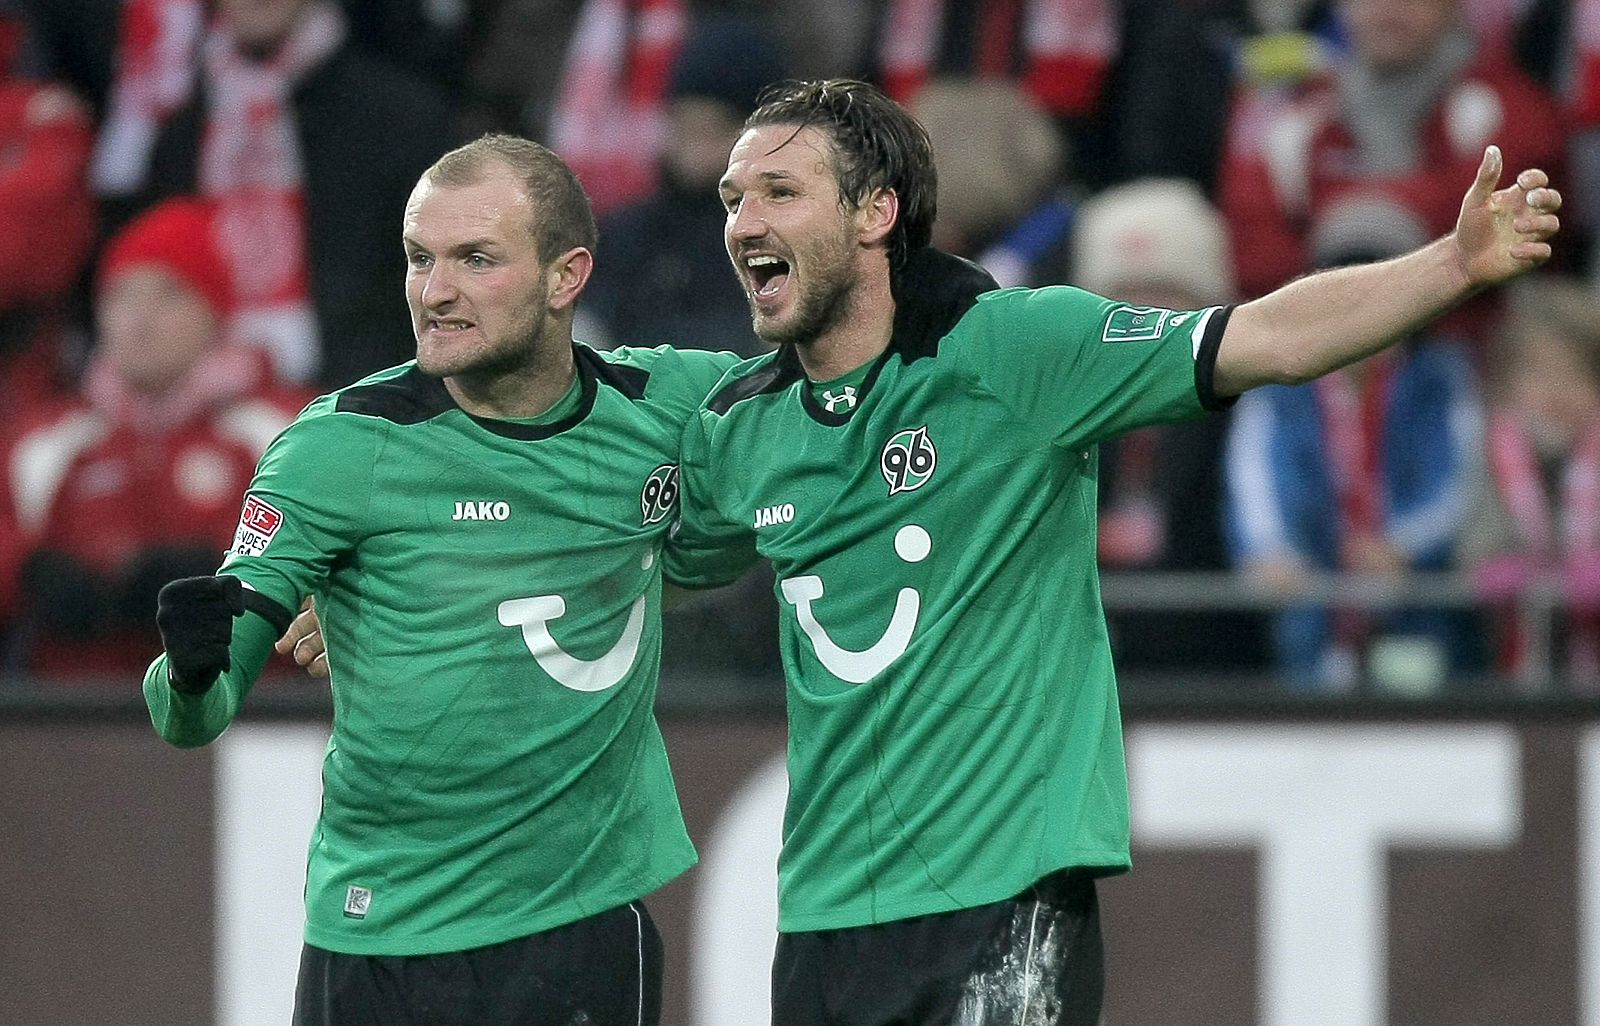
(953, 724)
(490, 595)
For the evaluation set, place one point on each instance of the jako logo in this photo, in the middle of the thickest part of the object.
(766, 516)
(482, 511)
(908, 460)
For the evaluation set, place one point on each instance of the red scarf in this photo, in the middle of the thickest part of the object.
(609, 120)
(1353, 417)
(250, 162)
(1068, 44)
(1570, 524)
(1354, 411)
(1565, 527)
(157, 44)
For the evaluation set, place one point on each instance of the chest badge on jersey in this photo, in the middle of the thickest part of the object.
(660, 493)
(908, 460)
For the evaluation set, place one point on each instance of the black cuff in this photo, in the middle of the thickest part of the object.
(1205, 362)
(268, 610)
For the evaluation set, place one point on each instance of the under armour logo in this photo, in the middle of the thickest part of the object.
(847, 398)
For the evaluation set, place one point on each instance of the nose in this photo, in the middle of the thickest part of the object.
(746, 223)
(438, 288)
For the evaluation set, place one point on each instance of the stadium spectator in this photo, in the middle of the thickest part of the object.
(601, 97)
(45, 140)
(141, 55)
(306, 144)
(665, 276)
(1536, 511)
(1406, 113)
(1364, 471)
(599, 94)
(139, 482)
(1159, 243)
(999, 161)
(1058, 51)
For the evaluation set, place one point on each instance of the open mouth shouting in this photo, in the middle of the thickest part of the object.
(767, 275)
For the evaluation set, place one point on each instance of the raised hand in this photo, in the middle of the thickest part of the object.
(1503, 233)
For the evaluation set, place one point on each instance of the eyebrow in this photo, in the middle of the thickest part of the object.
(468, 246)
(726, 184)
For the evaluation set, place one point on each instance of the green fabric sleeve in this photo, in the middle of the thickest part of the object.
(189, 721)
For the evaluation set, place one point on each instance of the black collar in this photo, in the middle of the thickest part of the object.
(932, 292)
(414, 397)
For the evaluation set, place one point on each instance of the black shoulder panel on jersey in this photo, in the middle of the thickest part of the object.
(1205, 362)
(630, 381)
(932, 292)
(410, 398)
(783, 371)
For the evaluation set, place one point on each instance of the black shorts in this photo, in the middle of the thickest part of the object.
(601, 971)
(1033, 960)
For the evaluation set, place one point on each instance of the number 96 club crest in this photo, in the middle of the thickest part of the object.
(660, 494)
(908, 460)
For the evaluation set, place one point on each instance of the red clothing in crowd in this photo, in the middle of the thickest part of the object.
(45, 141)
(128, 491)
(1288, 158)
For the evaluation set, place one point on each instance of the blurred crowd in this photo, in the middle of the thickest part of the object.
(202, 203)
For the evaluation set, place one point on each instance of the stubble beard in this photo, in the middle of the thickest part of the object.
(825, 301)
(493, 361)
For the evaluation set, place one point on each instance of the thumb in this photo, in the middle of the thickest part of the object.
(1488, 176)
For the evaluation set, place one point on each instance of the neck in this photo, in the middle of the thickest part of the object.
(526, 390)
(861, 335)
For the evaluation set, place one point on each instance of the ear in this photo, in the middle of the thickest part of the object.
(567, 275)
(876, 218)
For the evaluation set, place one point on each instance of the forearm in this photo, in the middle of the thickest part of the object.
(189, 721)
(1327, 320)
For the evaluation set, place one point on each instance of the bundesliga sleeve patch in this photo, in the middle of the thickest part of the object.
(257, 525)
(1135, 324)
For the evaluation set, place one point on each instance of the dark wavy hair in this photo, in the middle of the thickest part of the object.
(877, 144)
(563, 217)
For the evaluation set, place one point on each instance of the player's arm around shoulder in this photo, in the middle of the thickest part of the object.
(706, 547)
(298, 515)
(680, 379)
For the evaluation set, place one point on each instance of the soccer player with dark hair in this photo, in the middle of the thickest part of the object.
(918, 461)
(482, 530)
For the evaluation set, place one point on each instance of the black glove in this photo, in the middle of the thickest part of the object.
(195, 617)
(134, 591)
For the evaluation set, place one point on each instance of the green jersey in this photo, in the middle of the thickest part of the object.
(490, 596)
(953, 724)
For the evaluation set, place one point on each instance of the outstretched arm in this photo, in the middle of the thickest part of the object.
(1327, 320)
